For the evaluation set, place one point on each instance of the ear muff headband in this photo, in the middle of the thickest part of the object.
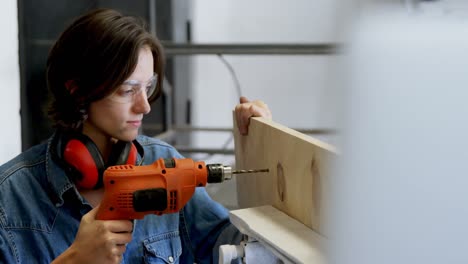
(123, 153)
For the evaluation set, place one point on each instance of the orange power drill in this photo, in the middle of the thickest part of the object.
(165, 186)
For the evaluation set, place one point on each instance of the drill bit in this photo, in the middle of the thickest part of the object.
(249, 171)
(218, 172)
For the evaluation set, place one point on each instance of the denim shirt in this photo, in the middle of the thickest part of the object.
(40, 212)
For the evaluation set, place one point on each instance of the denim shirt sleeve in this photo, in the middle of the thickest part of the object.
(7, 249)
(204, 226)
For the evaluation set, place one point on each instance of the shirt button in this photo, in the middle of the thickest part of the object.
(171, 259)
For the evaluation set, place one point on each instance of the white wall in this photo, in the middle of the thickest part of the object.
(295, 87)
(10, 137)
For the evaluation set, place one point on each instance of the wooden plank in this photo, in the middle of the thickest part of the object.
(287, 238)
(297, 181)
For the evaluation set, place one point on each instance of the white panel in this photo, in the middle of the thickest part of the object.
(10, 135)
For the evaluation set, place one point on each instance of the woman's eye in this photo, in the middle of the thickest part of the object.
(127, 92)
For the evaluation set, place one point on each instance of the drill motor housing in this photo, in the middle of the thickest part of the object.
(163, 187)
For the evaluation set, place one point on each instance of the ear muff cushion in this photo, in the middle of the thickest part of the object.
(85, 158)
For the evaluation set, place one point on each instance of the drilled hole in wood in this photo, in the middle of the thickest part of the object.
(316, 186)
(281, 182)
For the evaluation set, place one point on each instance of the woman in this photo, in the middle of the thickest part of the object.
(103, 72)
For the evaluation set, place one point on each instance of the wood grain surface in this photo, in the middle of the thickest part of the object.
(297, 181)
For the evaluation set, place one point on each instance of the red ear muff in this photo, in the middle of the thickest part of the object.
(86, 159)
(82, 159)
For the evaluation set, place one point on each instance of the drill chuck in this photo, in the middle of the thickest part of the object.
(218, 173)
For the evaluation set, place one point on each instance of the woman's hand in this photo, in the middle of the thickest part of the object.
(246, 109)
(98, 241)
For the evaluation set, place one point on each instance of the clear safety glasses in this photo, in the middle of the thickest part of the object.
(130, 89)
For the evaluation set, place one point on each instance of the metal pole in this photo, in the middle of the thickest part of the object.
(152, 16)
(172, 49)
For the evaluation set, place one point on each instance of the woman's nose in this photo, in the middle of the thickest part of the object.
(141, 103)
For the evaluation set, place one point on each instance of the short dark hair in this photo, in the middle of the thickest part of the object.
(95, 54)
